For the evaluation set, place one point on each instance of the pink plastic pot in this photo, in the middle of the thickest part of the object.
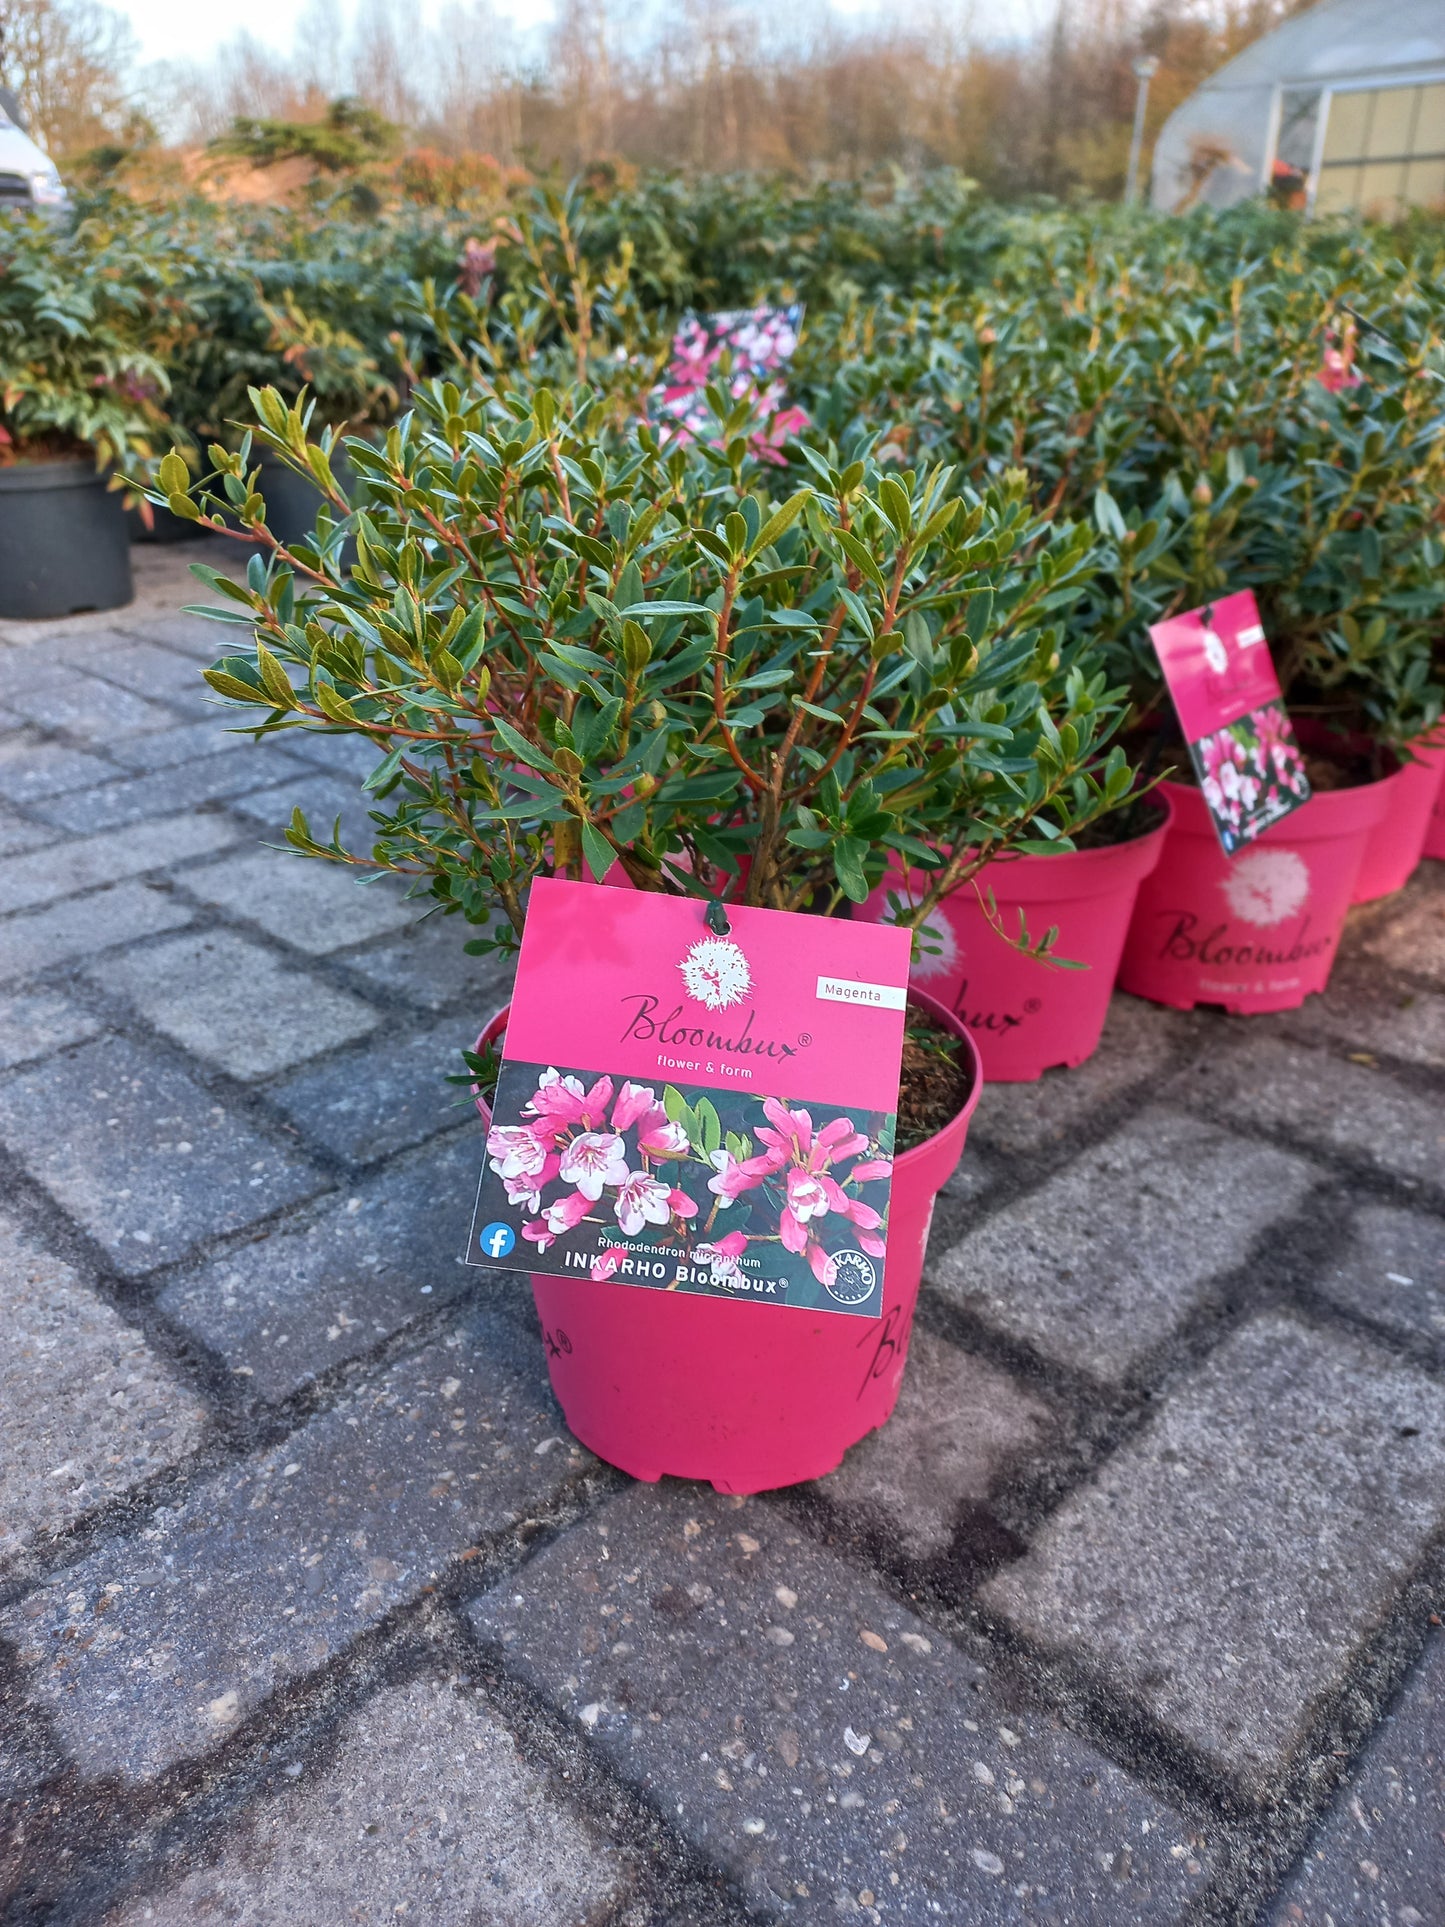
(1397, 843)
(745, 1396)
(1028, 1016)
(1256, 931)
(1435, 828)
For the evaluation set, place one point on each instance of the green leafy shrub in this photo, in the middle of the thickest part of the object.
(574, 648)
(89, 323)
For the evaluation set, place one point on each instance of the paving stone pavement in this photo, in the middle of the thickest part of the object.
(312, 1611)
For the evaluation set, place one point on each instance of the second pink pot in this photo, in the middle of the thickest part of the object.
(1027, 1016)
(747, 1397)
(1435, 828)
(1256, 931)
(1396, 844)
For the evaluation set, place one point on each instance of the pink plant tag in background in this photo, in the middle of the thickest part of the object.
(689, 1111)
(1217, 664)
(759, 343)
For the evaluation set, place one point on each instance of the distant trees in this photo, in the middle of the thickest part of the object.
(66, 61)
(704, 85)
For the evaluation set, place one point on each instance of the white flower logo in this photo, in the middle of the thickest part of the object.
(1215, 653)
(1266, 886)
(936, 955)
(716, 973)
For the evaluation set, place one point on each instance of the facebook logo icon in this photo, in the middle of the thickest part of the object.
(497, 1240)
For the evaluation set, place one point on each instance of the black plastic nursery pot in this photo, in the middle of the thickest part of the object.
(164, 526)
(292, 501)
(64, 548)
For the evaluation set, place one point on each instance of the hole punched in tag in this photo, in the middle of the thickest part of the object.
(717, 918)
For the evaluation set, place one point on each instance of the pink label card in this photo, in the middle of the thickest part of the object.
(1221, 676)
(687, 1111)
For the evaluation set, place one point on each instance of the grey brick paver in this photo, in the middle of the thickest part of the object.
(323, 800)
(1139, 1042)
(1371, 1017)
(959, 1426)
(83, 863)
(315, 905)
(1326, 1102)
(235, 1004)
(718, 1659)
(270, 1567)
(153, 671)
(427, 1810)
(1228, 1564)
(346, 754)
(44, 939)
(1393, 1271)
(140, 1155)
(1108, 1258)
(18, 834)
(205, 779)
(332, 1285)
(84, 707)
(428, 965)
(202, 638)
(31, 770)
(88, 1410)
(381, 1097)
(1380, 1855)
(164, 748)
(35, 1023)
(1415, 940)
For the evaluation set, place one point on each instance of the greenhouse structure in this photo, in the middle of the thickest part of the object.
(1341, 107)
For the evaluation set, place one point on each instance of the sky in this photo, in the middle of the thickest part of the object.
(182, 30)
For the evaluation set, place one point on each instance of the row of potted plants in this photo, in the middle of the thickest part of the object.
(580, 652)
(828, 684)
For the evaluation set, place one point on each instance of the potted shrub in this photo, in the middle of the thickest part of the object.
(84, 322)
(578, 653)
(1329, 518)
(1040, 1005)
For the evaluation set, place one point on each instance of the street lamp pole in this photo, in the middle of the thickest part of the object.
(1145, 68)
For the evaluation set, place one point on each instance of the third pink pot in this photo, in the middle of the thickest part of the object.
(1256, 931)
(1435, 828)
(745, 1396)
(1398, 841)
(1027, 1016)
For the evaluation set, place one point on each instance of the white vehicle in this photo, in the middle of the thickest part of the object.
(28, 176)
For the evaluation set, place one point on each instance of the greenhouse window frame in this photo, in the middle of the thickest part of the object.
(1328, 91)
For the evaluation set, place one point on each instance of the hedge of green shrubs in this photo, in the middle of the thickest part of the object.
(1224, 402)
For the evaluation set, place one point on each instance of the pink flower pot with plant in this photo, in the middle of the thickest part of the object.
(746, 1396)
(1256, 931)
(616, 661)
(1399, 840)
(1028, 1014)
(1435, 828)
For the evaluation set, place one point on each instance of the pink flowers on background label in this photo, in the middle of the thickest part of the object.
(1251, 773)
(592, 1165)
(1337, 370)
(1226, 693)
(759, 343)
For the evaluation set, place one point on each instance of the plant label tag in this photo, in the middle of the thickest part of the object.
(760, 343)
(686, 1111)
(1217, 664)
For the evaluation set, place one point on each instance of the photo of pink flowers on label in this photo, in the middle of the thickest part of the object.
(1251, 773)
(696, 1103)
(681, 1188)
(759, 343)
(1222, 679)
